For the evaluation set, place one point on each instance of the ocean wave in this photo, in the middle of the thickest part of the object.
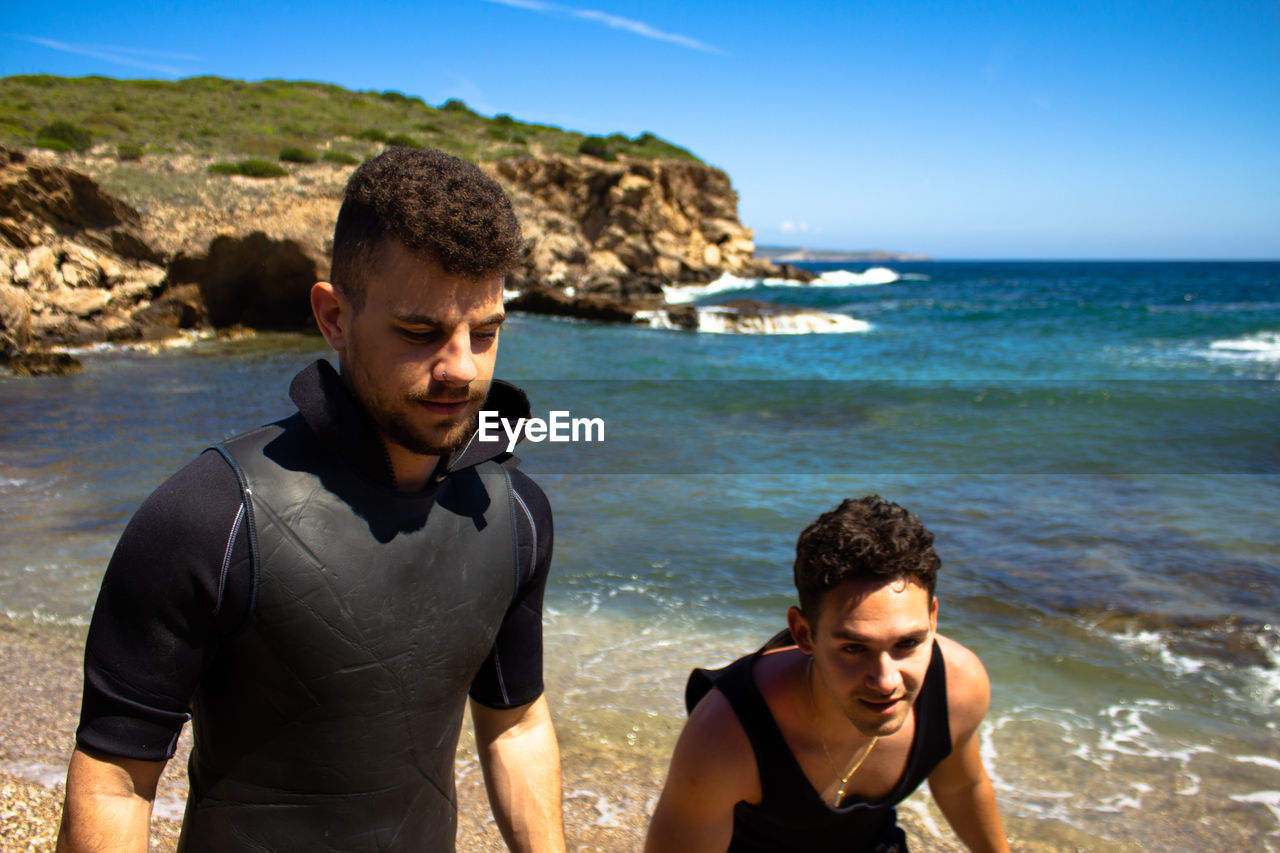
(1101, 769)
(681, 294)
(1264, 346)
(1241, 660)
(677, 294)
(42, 617)
(847, 278)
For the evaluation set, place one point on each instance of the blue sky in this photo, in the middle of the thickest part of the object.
(959, 129)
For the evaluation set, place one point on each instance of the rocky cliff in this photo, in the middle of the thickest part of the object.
(79, 265)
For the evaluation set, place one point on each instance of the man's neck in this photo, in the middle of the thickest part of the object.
(412, 471)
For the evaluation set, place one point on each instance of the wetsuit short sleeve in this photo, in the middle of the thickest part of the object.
(512, 674)
(179, 579)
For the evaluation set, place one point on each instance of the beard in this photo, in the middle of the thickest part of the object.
(403, 425)
(402, 419)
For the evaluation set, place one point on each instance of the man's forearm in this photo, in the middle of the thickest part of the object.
(108, 804)
(973, 814)
(521, 760)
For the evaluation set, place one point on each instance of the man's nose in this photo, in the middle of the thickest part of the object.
(454, 362)
(884, 676)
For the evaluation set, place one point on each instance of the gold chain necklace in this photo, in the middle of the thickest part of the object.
(845, 779)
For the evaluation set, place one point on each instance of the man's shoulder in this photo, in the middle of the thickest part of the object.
(715, 739)
(528, 491)
(968, 687)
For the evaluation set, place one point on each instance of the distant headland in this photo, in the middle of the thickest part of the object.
(798, 255)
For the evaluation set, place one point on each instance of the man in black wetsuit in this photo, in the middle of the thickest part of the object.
(810, 743)
(322, 594)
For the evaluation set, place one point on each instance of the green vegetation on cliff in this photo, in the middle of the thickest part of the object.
(221, 117)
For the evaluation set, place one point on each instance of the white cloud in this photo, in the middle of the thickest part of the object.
(616, 22)
(786, 226)
(118, 55)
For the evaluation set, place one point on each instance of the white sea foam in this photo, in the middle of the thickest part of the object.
(610, 814)
(1157, 644)
(34, 771)
(678, 294)
(169, 807)
(847, 278)
(1264, 346)
(1270, 799)
(182, 340)
(719, 320)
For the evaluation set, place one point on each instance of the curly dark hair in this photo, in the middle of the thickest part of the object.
(864, 539)
(436, 205)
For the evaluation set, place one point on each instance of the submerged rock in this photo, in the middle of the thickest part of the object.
(44, 364)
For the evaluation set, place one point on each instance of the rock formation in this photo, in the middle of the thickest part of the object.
(626, 228)
(78, 265)
(73, 263)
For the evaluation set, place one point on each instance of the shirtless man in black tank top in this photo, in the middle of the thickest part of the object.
(810, 743)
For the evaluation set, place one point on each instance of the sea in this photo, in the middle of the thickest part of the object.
(1095, 445)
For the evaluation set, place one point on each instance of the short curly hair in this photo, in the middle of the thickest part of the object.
(868, 538)
(436, 205)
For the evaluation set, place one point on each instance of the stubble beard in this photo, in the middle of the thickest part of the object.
(402, 424)
(402, 421)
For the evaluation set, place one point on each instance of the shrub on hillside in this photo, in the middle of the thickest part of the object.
(128, 153)
(455, 105)
(64, 136)
(597, 146)
(340, 157)
(294, 154)
(403, 140)
(372, 134)
(251, 168)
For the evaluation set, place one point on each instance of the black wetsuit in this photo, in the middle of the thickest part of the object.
(792, 816)
(182, 594)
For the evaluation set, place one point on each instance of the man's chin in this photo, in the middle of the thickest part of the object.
(434, 442)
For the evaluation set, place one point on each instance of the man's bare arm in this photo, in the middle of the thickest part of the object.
(712, 769)
(960, 784)
(108, 803)
(521, 760)
(964, 793)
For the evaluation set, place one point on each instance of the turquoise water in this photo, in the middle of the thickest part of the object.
(1094, 444)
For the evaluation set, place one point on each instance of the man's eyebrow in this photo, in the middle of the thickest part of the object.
(859, 638)
(495, 319)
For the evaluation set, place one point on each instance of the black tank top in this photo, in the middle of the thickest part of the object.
(792, 815)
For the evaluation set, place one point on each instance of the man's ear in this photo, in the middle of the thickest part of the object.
(332, 311)
(801, 630)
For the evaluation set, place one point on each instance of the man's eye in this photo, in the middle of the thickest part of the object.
(852, 648)
(486, 335)
(420, 337)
